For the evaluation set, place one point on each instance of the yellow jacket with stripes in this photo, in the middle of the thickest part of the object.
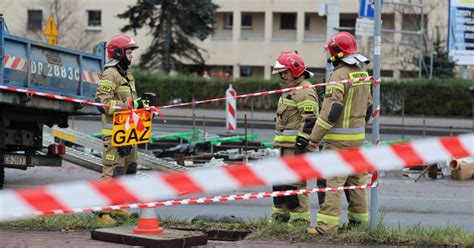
(114, 89)
(294, 108)
(349, 129)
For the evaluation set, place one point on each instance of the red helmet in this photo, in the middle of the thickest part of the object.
(289, 60)
(343, 45)
(117, 45)
(342, 42)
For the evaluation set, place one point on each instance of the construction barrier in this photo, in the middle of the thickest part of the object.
(148, 222)
(230, 109)
(202, 200)
(23, 202)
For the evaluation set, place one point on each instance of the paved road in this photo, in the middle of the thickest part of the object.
(429, 202)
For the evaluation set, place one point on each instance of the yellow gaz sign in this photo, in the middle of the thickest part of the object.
(126, 132)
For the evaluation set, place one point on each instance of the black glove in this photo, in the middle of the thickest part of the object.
(301, 144)
(124, 150)
(138, 103)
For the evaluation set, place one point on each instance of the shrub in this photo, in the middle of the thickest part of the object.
(438, 97)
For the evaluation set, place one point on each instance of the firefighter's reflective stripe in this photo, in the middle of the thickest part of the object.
(347, 109)
(295, 216)
(124, 89)
(307, 103)
(106, 82)
(281, 138)
(328, 219)
(335, 86)
(341, 134)
(106, 131)
(276, 210)
(286, 136)
(343, 137)
(322, 123)
(353, 130)
(287, 102)
(362, 83)
(364, 217)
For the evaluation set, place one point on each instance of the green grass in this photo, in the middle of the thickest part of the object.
(251, 225)
(416, 235)
(384, 235)
(62, 222)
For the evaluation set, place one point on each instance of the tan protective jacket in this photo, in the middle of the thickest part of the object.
(349, 129)
(295, 109)
(114, 89)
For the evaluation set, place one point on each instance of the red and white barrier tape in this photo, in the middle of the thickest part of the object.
(75, 100)
(155, 109)
(371, 78)
(159, 186)
(203, 200)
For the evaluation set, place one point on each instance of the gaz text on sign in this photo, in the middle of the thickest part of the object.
(128, 130)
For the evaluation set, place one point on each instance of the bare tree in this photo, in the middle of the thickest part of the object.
(71, 25)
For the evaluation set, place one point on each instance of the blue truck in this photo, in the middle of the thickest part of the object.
(29, 64)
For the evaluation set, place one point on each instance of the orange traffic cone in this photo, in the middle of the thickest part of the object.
(148, 222)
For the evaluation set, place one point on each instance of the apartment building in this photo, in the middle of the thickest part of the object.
(250, 34)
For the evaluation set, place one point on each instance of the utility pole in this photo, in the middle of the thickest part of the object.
(332, 10)
(376, 104)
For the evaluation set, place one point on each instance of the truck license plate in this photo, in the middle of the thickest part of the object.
(15, 159)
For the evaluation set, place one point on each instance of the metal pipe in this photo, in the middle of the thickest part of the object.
(431, 53)
(404, 4)
(420, 43)
(383, 30)
(376, 103)
(424, 127)
(403, 118)
(251, 115)
(204, 129)
(246, 140)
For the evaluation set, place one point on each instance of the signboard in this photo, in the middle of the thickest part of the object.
(366, 8)
(364, 26)
(461, 31)
(51, 31)
(128, 130)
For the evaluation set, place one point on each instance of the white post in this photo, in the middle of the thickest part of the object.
(231, 110)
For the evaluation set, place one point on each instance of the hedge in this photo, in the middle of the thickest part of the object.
(437, 97)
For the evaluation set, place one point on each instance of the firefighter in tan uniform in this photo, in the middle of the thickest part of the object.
(296, 115)
(341, 125)
(117, 88)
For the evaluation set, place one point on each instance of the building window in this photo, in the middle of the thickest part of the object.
(288, 21)
(246, 71)
(228, 20)
(94, 19)
(306, 21)
(247, 21)
(348, 21)
(35, 20)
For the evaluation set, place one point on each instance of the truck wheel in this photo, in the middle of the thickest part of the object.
(2, 175)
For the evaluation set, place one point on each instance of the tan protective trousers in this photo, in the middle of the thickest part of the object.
(112, 159)
(330, 210)
(296, 206)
